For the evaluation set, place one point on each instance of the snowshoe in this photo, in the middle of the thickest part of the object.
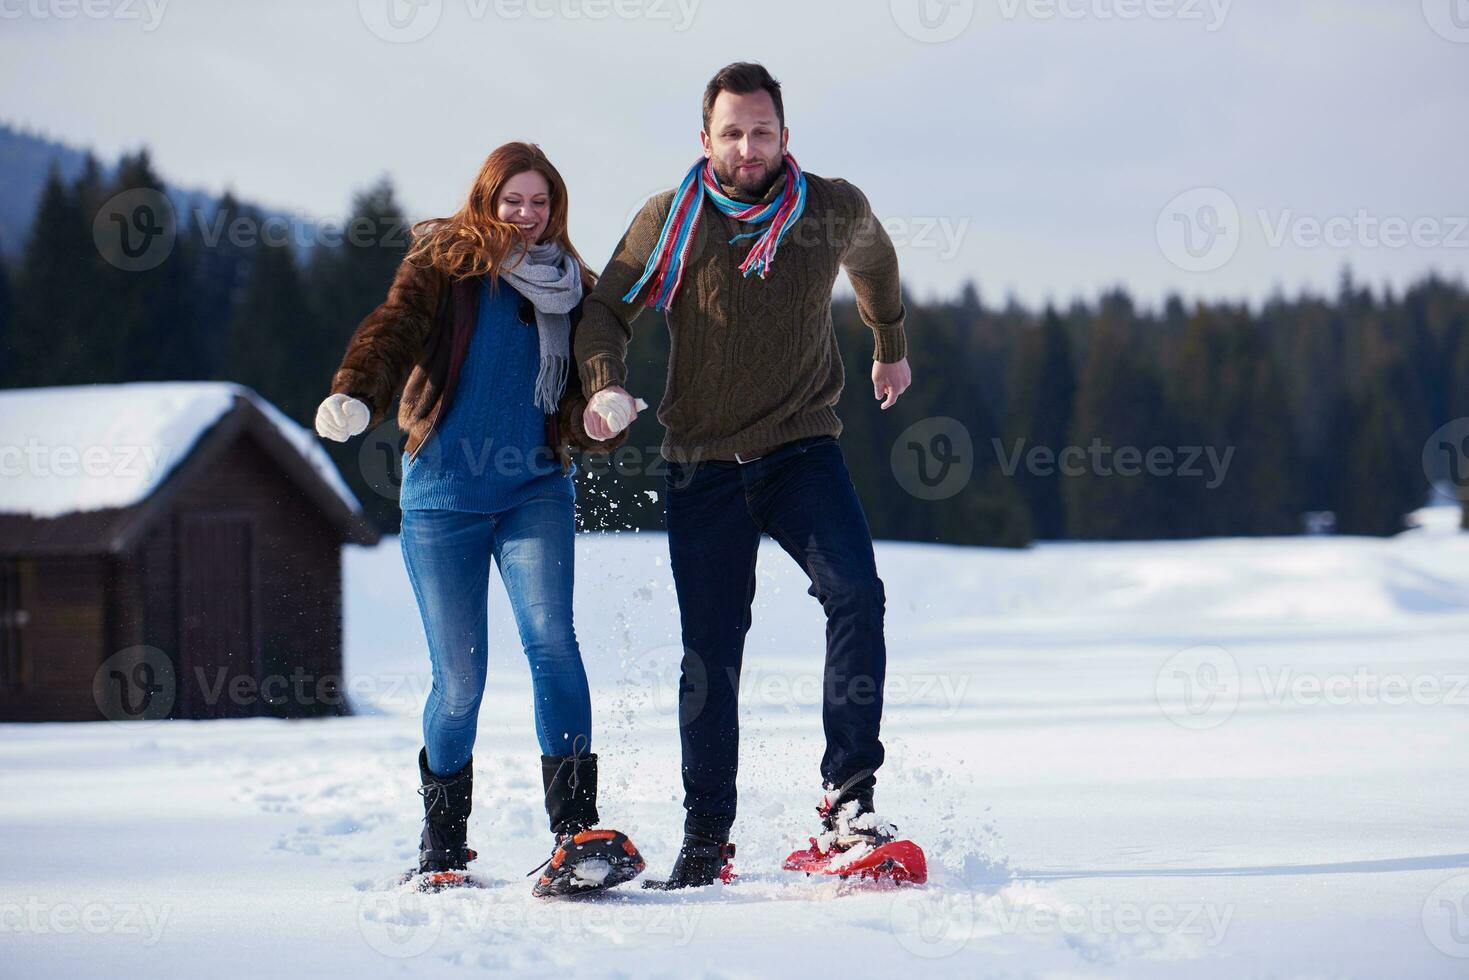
(900, 862)
(856, 843)
(437, 881)
(588, 861)
(585, 859)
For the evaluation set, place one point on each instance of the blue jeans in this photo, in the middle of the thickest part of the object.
(448, 556)
(802, 496)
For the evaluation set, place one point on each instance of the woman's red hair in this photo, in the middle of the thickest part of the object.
(473, 241)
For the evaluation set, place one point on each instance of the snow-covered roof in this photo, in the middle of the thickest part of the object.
(95, 447)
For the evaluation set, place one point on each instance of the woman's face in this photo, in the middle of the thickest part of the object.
(525, 202)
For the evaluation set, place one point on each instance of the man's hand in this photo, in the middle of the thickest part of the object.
(889, 381)
(615, 401)
(340, 417)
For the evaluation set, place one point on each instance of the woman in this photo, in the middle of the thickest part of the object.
(475, 335)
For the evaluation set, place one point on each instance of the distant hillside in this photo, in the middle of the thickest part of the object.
(25, 159)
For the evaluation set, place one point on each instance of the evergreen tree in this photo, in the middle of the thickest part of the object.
(1120, 405)
(1458, 384)
(1043, 398)
(7, 323)
(266, 332)
(147, 311)
(89, 274)
(1228, 398)
(52, 340)
(225, 250)
(1433, 313)
(1375, 494)
(1311, 348)
(1459, 381)
(1380, 475)
(350, 278)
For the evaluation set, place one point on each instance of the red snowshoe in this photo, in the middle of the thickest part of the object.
(856, 843)
(899, 861)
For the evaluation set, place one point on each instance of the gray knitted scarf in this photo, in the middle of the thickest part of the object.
(551, 280)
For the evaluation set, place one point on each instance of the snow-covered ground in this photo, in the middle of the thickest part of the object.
(1205, 759)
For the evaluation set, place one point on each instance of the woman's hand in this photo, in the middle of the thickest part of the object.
(340, 417)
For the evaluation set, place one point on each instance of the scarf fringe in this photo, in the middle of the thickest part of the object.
(551, 381)
(551, 280)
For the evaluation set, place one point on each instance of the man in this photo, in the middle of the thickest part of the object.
(743, 257)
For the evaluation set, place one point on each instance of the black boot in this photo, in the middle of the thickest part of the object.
(442, 853)
(701, 861)
(848, 817)
(570, 782)
(583, 860)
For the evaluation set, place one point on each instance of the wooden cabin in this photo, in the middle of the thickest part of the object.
(168, 550)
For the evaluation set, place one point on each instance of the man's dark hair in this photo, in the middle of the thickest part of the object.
(742, 78)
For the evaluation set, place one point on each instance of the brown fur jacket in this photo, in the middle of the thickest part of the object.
(413, 346)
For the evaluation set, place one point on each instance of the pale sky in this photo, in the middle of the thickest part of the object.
(1039, 147)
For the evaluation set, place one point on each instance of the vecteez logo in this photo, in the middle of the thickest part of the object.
(1446, 457)
(401, 21)
(135, 685)
(1199, 230)
(933, 459)
(1446, 917)
(932, 21)
(135, 230)
(399, 925)
(1448, 18)
(1199, 688)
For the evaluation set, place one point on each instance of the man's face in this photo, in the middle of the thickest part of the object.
(745, 141)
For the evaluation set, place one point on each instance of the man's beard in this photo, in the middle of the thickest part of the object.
(753, 186)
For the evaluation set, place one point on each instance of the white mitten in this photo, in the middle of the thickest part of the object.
(340, 417)
(615, 408)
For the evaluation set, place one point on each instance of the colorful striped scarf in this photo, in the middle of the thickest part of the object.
(667, 260)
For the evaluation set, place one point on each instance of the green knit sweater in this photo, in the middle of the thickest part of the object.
(752, 362)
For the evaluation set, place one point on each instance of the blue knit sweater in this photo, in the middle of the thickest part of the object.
(487, 453)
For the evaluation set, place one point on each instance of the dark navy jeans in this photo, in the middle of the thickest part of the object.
(448, 555)
(801, 496)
